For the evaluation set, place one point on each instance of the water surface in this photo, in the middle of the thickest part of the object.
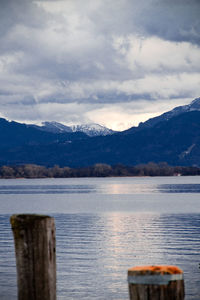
(105, 226)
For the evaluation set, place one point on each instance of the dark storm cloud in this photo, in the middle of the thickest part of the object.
(175, 20)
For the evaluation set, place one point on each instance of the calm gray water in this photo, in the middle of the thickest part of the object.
(105, 226)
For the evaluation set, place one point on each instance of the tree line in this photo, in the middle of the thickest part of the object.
(97, 170)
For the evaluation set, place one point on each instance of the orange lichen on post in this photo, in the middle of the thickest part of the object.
(154, 270)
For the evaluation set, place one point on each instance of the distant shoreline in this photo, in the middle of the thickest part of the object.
(98, 170)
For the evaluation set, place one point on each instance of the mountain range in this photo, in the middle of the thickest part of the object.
(172, 137)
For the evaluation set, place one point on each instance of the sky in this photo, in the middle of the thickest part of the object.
(111, 62)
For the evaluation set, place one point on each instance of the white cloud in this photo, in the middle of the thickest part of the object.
(152, 54)
(121, 117)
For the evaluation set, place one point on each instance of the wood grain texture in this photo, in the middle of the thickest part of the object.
(34, 237)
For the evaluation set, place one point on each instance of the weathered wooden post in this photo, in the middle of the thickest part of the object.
(34, 237)
(156, 283)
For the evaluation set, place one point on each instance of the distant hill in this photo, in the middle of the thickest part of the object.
(17, 134)
(15, 138)
(173, 138)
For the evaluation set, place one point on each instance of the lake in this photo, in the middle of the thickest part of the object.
(105, 226)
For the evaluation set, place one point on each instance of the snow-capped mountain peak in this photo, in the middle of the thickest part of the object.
(92, 129)
(194, 105)
(56, 127)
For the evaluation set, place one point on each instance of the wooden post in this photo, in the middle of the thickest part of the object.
(34, 237)
(156, 283)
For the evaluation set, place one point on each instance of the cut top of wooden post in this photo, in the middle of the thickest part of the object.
(159, 274)
(22, 220)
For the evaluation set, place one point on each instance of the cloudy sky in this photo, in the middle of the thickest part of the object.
(113, 62)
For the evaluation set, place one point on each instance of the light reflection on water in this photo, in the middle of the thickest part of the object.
(112, 188)
(113, 226)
